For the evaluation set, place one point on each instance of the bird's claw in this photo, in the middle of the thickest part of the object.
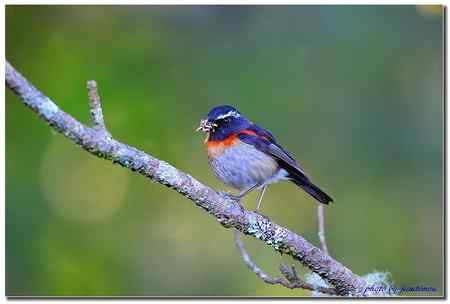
(264, 216)
(235, 198)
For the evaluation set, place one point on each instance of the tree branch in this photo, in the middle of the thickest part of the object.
(321, 233)
(291, 280)
(226, 210)
(96, 108)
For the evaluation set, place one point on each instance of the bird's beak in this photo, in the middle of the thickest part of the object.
(206, 126)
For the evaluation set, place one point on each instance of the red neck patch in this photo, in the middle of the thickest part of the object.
(230, 140)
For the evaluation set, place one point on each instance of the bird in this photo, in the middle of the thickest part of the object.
(246, 157)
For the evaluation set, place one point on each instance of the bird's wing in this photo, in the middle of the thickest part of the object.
(264, 141)
(261, 132)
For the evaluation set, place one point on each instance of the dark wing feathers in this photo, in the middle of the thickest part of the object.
(261, 132)
(264, 141)
(283, 158)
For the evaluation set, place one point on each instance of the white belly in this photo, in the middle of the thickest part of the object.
(243, 166)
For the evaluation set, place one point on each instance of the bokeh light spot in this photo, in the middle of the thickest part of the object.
(78, 186)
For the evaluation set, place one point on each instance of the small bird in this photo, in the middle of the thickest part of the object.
(247, 157)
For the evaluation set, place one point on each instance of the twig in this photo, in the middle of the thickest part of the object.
(95, 105)
(291, 279)
(321, 222)
(226, 210)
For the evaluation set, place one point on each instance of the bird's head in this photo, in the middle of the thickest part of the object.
(223, 120)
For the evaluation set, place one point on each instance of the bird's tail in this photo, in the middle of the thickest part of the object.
(312, 190)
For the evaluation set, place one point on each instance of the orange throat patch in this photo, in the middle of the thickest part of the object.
(217, 148)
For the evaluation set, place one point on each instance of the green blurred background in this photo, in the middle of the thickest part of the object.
(354, 92)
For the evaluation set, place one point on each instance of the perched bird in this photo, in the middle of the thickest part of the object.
(247, 157)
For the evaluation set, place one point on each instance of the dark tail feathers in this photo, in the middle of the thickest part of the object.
(313, 190)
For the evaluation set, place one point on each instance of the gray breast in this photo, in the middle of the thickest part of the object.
(243, 166)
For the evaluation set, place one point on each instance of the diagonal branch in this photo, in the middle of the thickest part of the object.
(291, 280)
(226, 210)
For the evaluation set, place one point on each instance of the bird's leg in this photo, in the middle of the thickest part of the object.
(245, 192)
(260, 197)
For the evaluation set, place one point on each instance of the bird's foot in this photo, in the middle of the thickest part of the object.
(228, 195)
(264, 216)
(236, 199)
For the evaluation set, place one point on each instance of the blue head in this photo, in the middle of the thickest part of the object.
(223, 121)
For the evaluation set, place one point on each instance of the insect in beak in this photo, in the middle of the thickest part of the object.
(206, 126)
